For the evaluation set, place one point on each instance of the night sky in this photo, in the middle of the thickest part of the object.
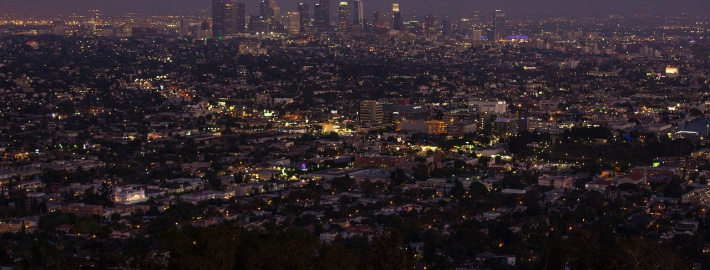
(453, 8)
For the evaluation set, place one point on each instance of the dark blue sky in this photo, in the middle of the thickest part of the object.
(440, 7)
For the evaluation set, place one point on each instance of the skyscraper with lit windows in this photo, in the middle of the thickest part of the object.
(229, 18)
(240, 17)
(305, 20)
(499, 30)
(343, 17)
(219, 23)
(324, 15)
(293, 24)
(398, 20)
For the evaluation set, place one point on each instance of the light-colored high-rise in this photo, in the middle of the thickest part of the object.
(359, 18)
(371, 112)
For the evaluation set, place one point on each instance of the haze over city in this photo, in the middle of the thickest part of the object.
(416, 7)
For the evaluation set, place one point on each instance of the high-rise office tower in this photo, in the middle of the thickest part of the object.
(498, 25)
(229, 19)
(465, 27)
(343, 17)
(184, 27)
(318, 19)
(258, 25)
(476, 18)
(359, 18)
(277, 13)
(477, 35)
(378, 19)
(430, 24)
(240, 17)
(293, 25)
(398, 20)
(305, 23)
(269, 11)
(325, 13)
(219, 22)
(95, 19)
(266, 12)
(371, 112)
(446, 28)
(414, 27)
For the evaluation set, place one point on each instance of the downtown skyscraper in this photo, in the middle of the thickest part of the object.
(498, 25)
(398, 20)
(322, 15)
(269, 11)
(240, 17)
(359, 15)
(343, 17)
(305, 22)
(219, 17)
(228, 17)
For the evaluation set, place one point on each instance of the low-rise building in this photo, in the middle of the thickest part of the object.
(129, 196)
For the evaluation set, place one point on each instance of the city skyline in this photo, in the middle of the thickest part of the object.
(451, 8)
(355, 135)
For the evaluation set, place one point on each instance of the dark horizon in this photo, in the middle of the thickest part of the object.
(453, 8)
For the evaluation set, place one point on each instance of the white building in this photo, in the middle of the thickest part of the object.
(488, 106)
(129, 196)
(556, 181)
(698, 196)
(328, 237)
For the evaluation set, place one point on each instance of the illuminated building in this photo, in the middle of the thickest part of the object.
(465, 27)
(219, 19)
(371, 112)
(398, 20)
(379, 20)
(322, 15)
(477, 35)
(487, 106)
(429, 23)
(498, 25)
(294, 23)
(343, 17)
(436, 127)
(305, 23)
(672, 72)
(129, 196)
(228, 17)
(266, 11)
(240, 18)
(325, 8)
(359, 18)
(229, 14)
(504, 127)
(318, 17)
